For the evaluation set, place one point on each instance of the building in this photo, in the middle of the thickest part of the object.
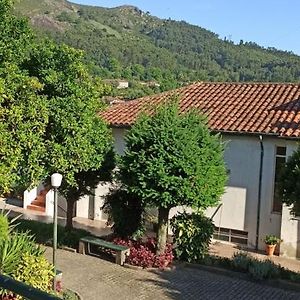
(260, 124)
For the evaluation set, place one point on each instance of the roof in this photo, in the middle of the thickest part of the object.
(256, 108)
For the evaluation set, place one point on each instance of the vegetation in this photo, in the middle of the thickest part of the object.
(35, 271)
(43, 233)
(22, 259)
(255, 268)
(192, 235)
(125, 42)
(142, 253)
(289, 183)
(172, 159)
(125, 212)
(272, 240)
(49, 104)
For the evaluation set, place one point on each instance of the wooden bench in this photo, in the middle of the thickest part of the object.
(121, 251)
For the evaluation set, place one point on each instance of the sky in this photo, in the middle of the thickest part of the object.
(269, 23)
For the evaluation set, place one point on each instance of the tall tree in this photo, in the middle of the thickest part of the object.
(23, 111)
(172, 159)
(79, 143)
(48, 114)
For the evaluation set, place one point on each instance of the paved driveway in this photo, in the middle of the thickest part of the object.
(97, 279)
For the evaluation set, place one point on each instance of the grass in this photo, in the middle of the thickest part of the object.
(43, 233)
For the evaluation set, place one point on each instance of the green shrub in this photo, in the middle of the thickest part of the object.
(192, 235)
(263, 269)
(4, 227)
(35, 271)
(241, 261)
(125, 212)
(12, 249)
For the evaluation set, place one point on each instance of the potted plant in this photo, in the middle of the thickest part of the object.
(271, 242)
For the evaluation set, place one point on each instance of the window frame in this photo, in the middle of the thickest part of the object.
(274, 176)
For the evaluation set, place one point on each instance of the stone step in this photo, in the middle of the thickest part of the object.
(36, 208)
(38, 203)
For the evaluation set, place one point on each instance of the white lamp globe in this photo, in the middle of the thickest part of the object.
(56, 179)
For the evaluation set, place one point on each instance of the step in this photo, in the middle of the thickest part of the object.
(36, 208)
(38, 203)
(40, 198)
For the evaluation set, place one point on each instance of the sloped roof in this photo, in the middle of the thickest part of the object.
(261, 108)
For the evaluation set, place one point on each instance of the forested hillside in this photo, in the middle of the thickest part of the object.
(125, 42)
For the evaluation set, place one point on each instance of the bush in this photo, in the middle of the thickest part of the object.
(11, 251)
(4, 227)
(125, 212)
(35, 271)
(142, 254)
(192, 235)
(263, 269)
(241, 261)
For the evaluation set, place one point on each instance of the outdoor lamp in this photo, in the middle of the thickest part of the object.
(55, 182)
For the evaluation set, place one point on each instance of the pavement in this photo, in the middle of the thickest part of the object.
(96, 279)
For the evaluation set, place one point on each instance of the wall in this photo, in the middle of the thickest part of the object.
(290, 226)
(240, 201)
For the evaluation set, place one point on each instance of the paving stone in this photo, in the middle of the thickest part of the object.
(97, 279)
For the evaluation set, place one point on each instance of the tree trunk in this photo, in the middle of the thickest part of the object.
(70, 209)
(162, 233)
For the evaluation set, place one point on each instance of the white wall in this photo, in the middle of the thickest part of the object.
(240, 201)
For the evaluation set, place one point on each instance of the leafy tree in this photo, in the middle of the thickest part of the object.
(48, 106)
(24, 112)
(79, 144)
(289, 182)
(172, 159)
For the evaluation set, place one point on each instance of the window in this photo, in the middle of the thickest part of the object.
(280, 160)
(231, 235)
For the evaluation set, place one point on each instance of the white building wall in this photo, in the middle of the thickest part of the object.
(240, 201)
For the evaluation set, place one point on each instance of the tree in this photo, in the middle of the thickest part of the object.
(79, 144)
(24, 112)
(289, 182)
(172, 159)
(48, 106)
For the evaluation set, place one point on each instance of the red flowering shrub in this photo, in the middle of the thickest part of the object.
(143, 253)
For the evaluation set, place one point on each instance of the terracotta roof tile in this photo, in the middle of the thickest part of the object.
(265, 108)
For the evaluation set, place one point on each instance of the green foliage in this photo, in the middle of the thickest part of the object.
(263, 270)
(15, 35)
(49, 104)
(4, 227)
(125, 212)
(192, 235)
(289, 182)
(35, 271)
(241, 261)
(172, 159)
(272, 240)
(43, 233)
(257, 269)
(125, 42)
(11, 251)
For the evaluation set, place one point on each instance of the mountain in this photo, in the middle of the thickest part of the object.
(125, 42)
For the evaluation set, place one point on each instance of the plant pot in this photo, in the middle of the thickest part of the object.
(270, 249)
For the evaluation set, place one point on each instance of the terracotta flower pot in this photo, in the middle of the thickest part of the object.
(270, 249)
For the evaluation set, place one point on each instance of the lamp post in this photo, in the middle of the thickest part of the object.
(55, 182)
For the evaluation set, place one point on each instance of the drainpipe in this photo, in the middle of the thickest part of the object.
(259, 190)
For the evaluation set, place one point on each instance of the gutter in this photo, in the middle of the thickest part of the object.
(259, 190)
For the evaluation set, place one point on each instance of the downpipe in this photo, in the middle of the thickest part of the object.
(259, 190)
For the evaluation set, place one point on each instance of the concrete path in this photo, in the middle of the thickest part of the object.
(97, 279)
